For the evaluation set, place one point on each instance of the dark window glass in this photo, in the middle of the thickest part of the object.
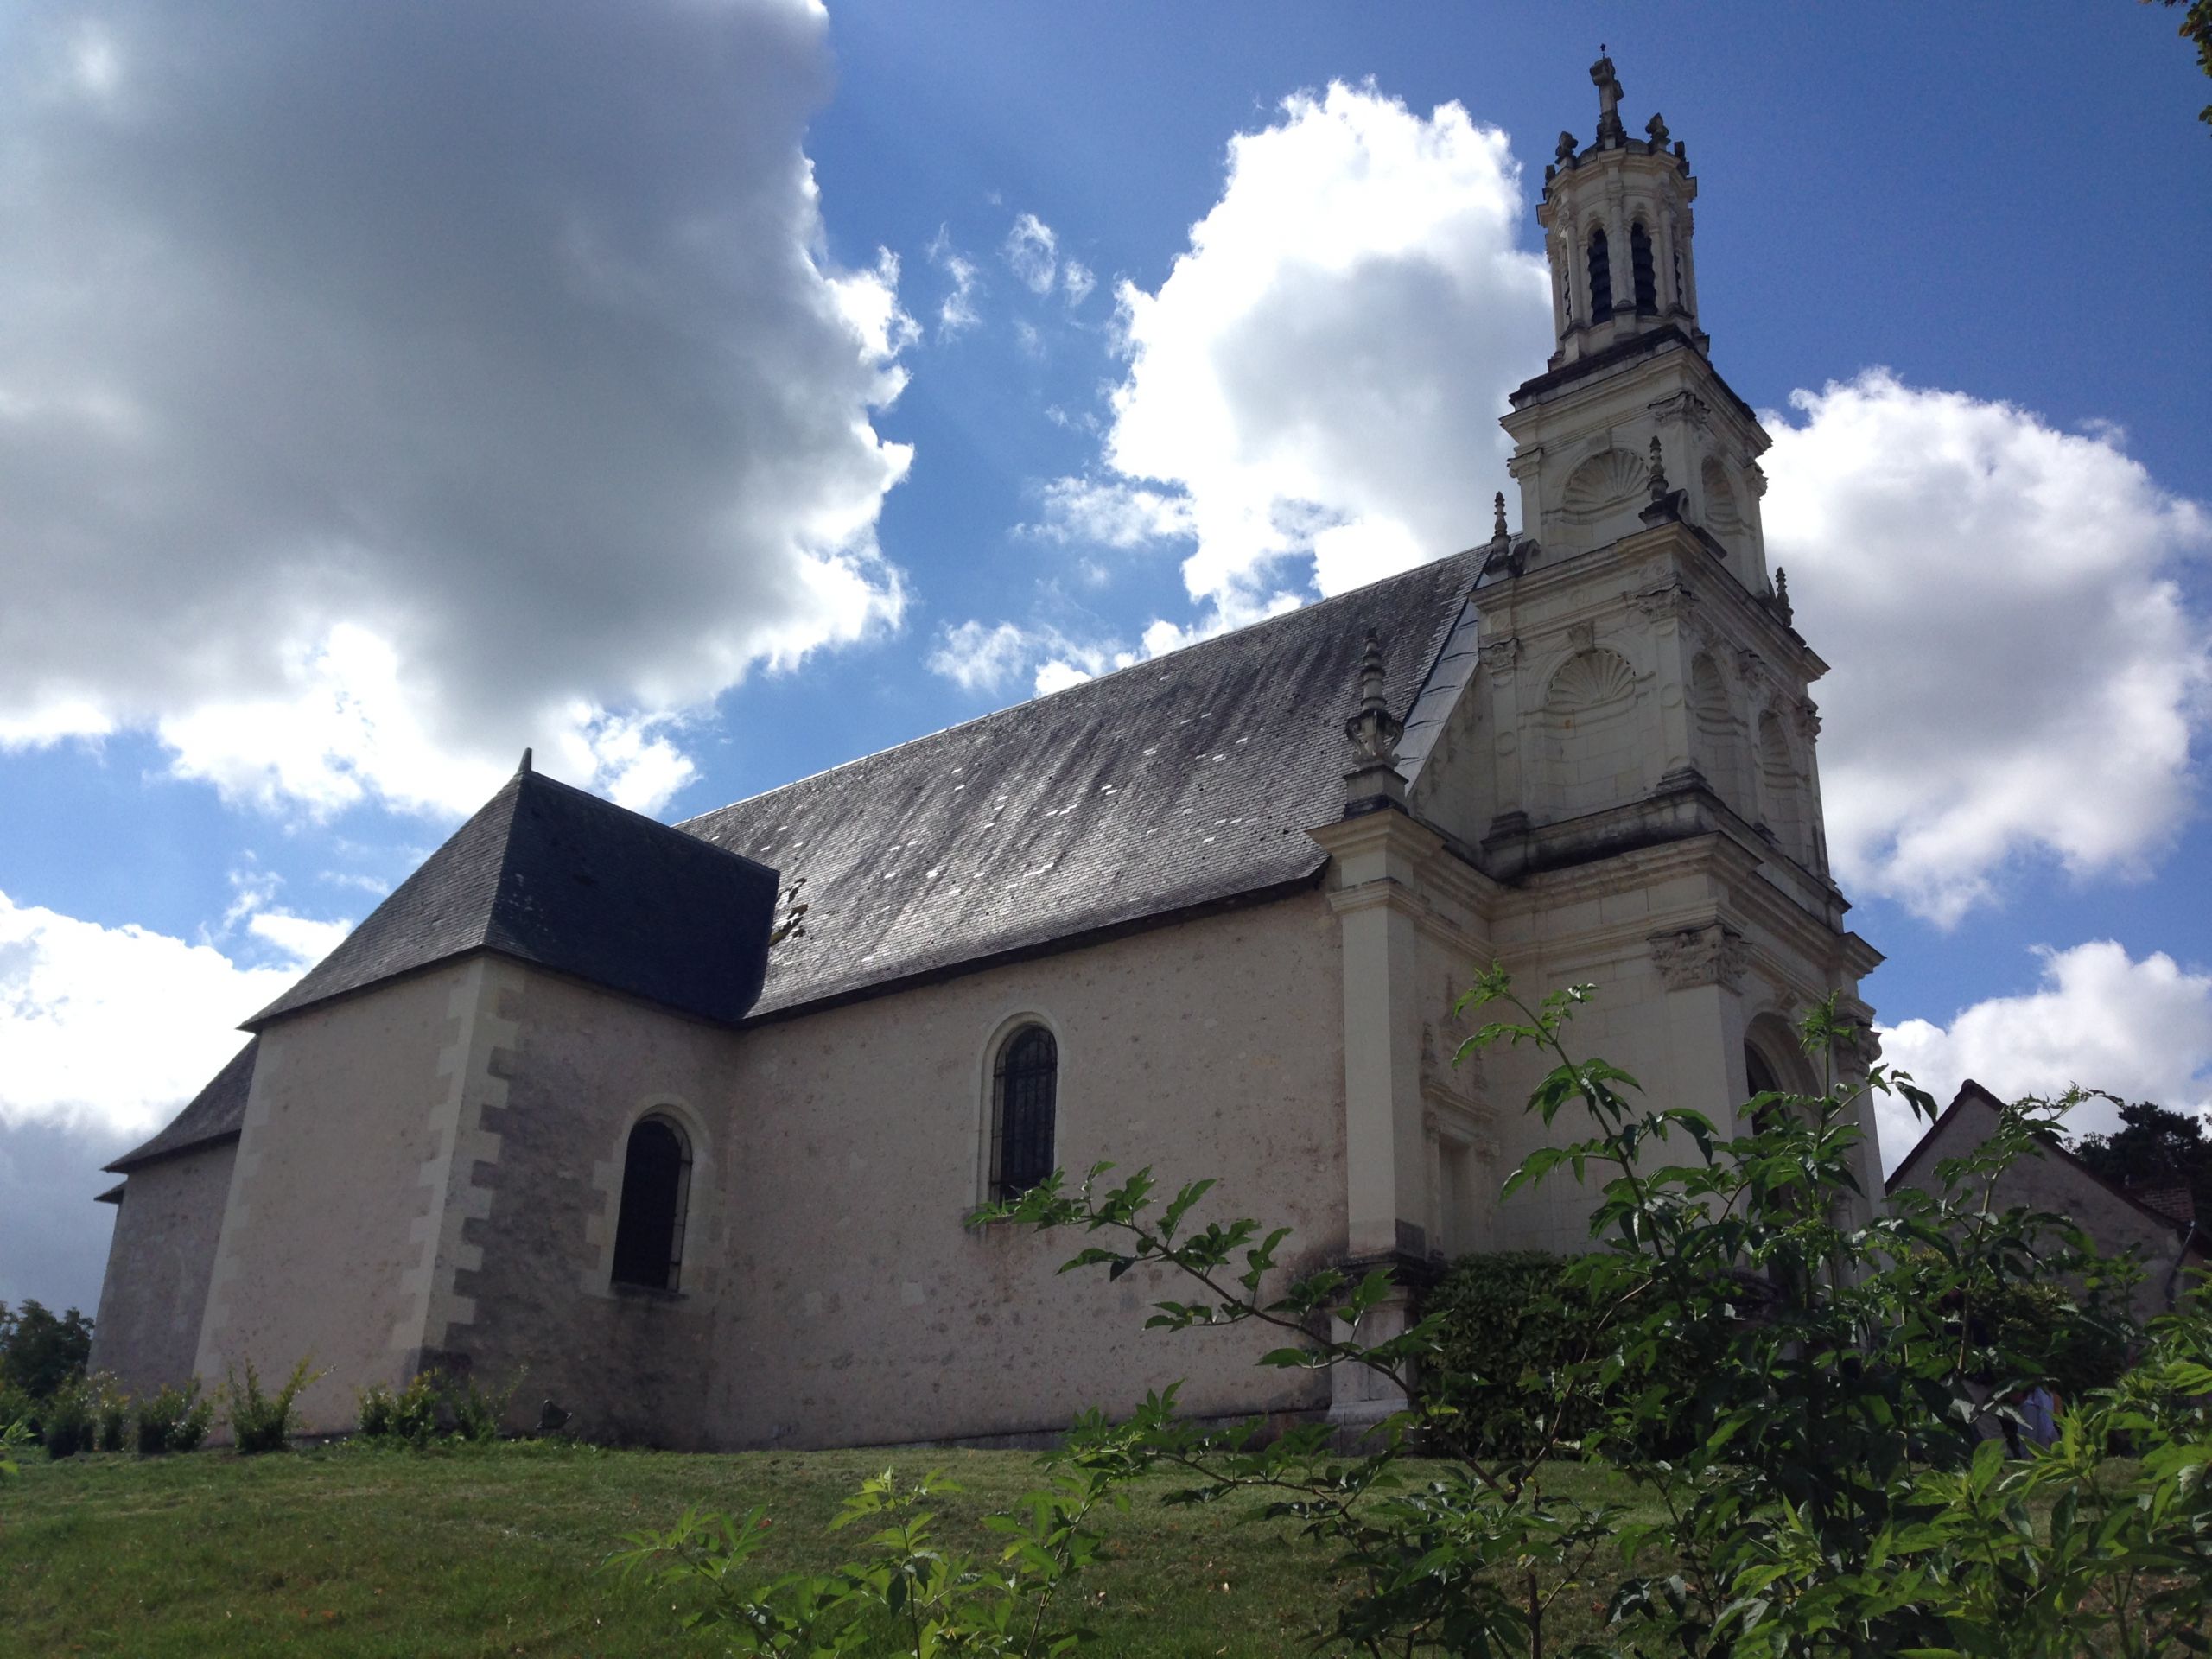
(1024, 1085)
(655, 1178)
(1601, 279)
(1647, 282)
(1759, 1073)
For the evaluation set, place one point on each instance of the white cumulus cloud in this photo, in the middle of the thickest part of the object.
(983, 656)
(377, 398)
(2016, 670)
(112, 1029)
(2141, 1028)
(1316, 382)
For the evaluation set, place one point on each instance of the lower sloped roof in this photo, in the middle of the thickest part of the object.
(551, 874)
(1187, 779)
(216, 1112)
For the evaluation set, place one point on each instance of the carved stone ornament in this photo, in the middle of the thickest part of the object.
(1684, 408)
(1672, 600)
(1711, 954)
(1500, 655)
(1605, 480)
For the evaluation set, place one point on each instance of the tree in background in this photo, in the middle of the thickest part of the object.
(2153, 1146)
(2197, 27)
(40, 1350)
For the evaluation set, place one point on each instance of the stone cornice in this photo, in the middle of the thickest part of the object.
(1617, 585)
(1746, 901)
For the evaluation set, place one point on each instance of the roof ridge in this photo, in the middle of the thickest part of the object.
(1279, 617)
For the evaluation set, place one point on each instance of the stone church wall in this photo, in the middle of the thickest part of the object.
(830, 1292)
(1213, 1048)
(337, 1189)
(536, 1308)
(156, 1291)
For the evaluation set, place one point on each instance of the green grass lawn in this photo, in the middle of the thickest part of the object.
(348, 1550)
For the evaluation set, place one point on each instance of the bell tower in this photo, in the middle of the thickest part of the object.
(1631, 365)
(1617, 229)
(1634, 764)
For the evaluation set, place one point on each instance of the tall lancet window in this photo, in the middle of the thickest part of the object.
(1025, 1088)
(1647, 281)
(1601, 279)
(656, 1187)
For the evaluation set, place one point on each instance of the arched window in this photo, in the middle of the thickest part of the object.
(656, 1187)
(1025, 1085)
(1757, 1072)
(1601, 279)
(1647, 282)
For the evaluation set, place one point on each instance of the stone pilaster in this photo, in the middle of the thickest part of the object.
(1376, 859)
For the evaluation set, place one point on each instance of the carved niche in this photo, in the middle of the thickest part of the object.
(1606, 480)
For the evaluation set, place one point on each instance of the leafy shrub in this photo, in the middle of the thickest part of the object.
(477, 1412)
(14, 1435)
(16, 1405)
(935, 1602)
(70, 1424)
(2074, 1345)
(176, 1419)
(409, 1415)
(262, 1422)
(1511, 1322)
(110, 1410)
(434, 1406)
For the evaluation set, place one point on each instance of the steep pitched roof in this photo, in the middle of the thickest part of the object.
(552, 875)
(214, 1114)
(1187, 780)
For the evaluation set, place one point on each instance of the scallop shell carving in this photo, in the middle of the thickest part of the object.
(1591, 678)
(1720, 510)
(1606, 479)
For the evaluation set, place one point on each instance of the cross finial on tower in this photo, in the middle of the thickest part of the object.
(1609, 99)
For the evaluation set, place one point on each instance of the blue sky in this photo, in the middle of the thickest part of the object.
(384, 390)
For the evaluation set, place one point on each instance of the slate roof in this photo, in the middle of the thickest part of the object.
(214, 1114)
(1184, 781)
(552, 875)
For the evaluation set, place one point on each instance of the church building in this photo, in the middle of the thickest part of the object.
(681, 1127)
